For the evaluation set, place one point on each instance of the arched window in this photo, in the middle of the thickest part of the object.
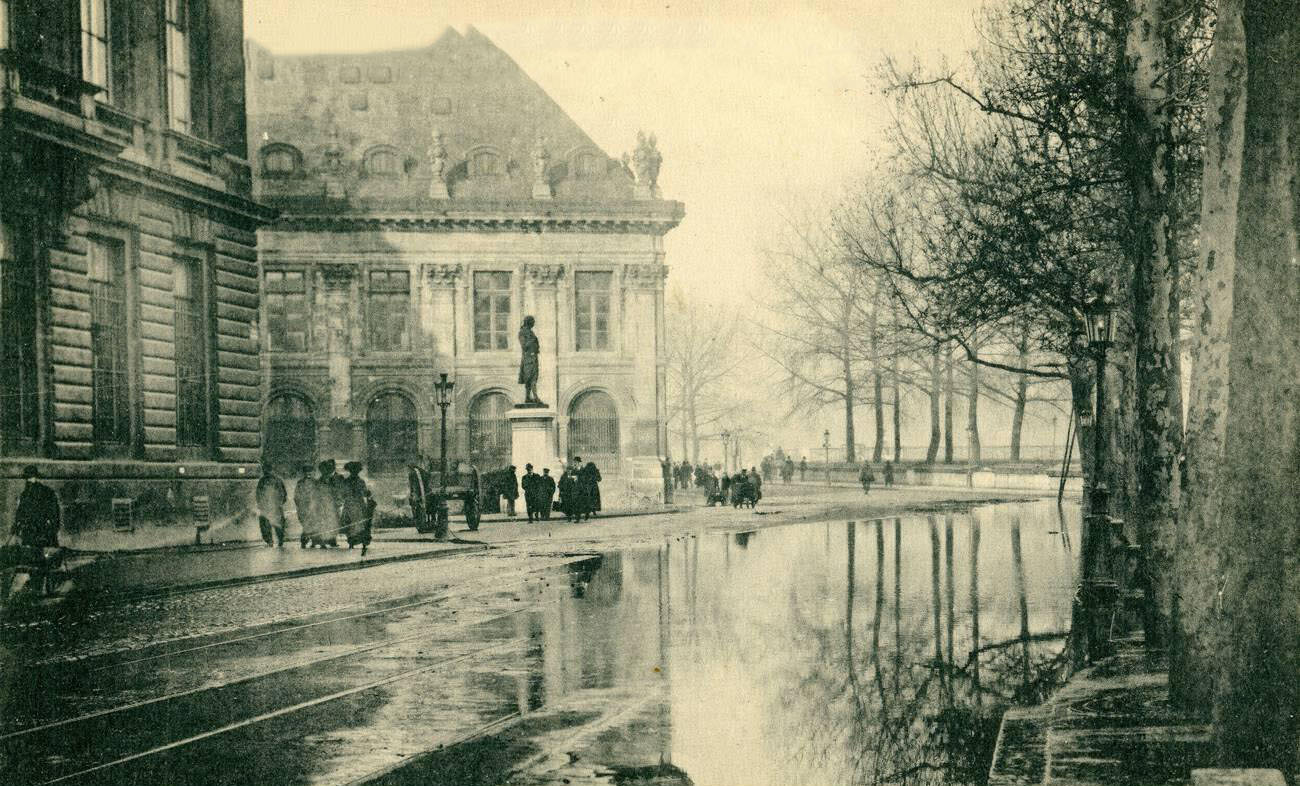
(280, 160)
(382, 161)
(392, 433)
(593, 426)
(484, 162)
(489, 431)
(290, 437)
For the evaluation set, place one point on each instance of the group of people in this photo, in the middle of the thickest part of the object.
(578, 487)
(328, 505)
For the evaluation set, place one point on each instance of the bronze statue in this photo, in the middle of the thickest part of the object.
(529, 348)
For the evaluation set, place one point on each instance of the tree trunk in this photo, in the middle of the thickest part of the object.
(898, 416)
(972, 415)
(850, 452)
(936, 390)
(1022, 395)
(1151, 172)
(1198, 570)
(877, 382)
(1249, 634)
(949, 389)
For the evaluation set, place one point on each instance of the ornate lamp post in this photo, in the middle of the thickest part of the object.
(444, 387)
(726, 451)
(826, 446)
(1100, 590)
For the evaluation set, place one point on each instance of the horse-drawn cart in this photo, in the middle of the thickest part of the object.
(431, 506)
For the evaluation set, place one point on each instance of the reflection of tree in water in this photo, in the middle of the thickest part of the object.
(870, 708)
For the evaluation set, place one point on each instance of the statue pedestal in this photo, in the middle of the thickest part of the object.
(532, 439)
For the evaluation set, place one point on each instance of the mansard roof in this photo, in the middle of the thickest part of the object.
(337, 110)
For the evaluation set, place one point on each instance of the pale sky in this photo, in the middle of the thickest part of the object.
(754, 104)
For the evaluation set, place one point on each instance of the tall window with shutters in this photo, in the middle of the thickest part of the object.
(491, 310)
(4, 24)
(286, 310)
(19, 406)
(109, 350)
(94, 44)
(193, 340)
(387, 307)
(592, 309)
(179, 111)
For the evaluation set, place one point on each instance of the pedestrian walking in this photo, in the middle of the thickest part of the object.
(757, 480)
(325, 506)
(569, 495)
(889, 474)
(510, 489)
(787, 470)
(546, 495)
(803, 469)
(36, 528)
(357, 507)
(271, 497)
(866, 476)
(589, 489)
(531, 502)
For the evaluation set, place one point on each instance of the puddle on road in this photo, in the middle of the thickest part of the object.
(826, 653)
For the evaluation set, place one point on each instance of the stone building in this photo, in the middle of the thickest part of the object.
(128, 268)
(430, 199)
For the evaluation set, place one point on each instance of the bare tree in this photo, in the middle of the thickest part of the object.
(702, 370)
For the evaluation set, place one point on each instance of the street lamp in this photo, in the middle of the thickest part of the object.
(1101, 591)
(444, 387)
(726, 453)
(826, 446)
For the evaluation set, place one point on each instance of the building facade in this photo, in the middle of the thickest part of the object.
(430, 199)
(128, 268)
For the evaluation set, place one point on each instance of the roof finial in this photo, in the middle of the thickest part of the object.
(646, 160)
(541, 157)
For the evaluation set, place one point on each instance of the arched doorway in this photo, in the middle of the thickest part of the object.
(489, 431)
(289, 440)
(392, 433)
(593, 427)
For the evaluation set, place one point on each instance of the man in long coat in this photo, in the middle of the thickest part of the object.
(357, 507)
(569, 495)
(546, 492)
(510, 489)
(271, 497)
(531, 501)
(37, 519)
(304, 503)
(589, 488)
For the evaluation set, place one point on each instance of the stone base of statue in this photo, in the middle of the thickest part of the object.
(532, 438)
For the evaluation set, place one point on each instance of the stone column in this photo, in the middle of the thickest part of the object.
(337, 282)
(441, 316)
(643, 288)
(543, 298)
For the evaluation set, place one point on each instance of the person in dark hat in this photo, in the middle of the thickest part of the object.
(529, 484)
(37, 518)
(546, 492)
(271, 497)
(327, 496)
(510, 489)
(357, 507)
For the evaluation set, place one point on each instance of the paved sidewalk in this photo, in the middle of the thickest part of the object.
(136, 574)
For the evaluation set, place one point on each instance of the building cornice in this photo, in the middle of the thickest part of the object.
(647, 217)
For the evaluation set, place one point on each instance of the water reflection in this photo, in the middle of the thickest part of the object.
(771, 656)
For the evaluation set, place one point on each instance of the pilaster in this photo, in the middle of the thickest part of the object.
(337, 282)
(440, 319)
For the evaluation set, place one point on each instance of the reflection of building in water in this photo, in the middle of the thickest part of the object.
(431, 198)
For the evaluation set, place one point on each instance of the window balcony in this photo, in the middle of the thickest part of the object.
(49, 105)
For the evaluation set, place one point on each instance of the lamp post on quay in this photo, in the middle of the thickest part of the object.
(444, 387)
(826, 446)
(1100, 589)
(726, 451)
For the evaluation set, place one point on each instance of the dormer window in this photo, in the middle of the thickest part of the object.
(484, 163)
(382, 162)
(588, 163)
(280, 160)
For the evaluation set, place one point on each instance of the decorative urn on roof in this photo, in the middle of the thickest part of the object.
(438, 166)
(541, 157)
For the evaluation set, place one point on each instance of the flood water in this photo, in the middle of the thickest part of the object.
(859, 652)
(851, 652)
